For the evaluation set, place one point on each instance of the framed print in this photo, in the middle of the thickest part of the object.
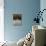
(17, 19)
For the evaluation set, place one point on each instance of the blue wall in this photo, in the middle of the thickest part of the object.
(28, 9)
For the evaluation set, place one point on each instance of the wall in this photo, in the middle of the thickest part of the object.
(27, 8)
(1, 21)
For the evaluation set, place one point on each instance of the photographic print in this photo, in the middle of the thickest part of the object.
(17, 19)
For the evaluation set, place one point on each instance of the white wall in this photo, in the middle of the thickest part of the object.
(1, 20)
